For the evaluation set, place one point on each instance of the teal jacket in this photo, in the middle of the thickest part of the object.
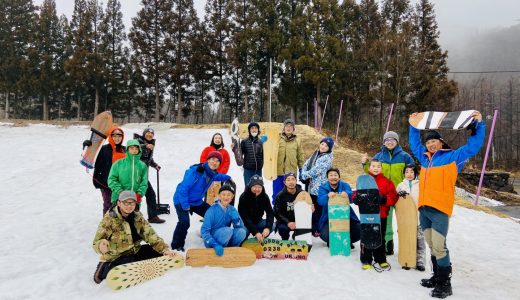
(128, 174)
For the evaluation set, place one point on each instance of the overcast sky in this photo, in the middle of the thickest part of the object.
(458, 20)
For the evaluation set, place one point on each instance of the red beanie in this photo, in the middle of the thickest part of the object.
(215, 154)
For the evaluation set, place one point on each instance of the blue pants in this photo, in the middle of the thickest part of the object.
(181, 230)
(228, 237)
(260, 227)
(278, 186)
(435, 225)
(249, 173)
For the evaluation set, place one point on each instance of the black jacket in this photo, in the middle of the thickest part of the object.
(146, 154)
(253, 152)
(252, 208)
(284, 205)
(102, 166)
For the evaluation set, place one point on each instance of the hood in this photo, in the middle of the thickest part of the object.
(111, 140)
(133, 142)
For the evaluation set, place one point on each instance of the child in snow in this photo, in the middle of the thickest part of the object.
(388, 197)
(393, 159)
(328, 189)
(147, 144)
(216, 229)
(314, 170)
(189, 193)
(284, 206)
(252, 205)
(129, 173)
(440, 167)
(119, 235)
(410, 186)
(109, 154)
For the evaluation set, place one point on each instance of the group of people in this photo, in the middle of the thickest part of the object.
(123, 227)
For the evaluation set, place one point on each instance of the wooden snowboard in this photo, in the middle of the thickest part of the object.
(99, 131)
(366, 189)
(277, 249)
(406, 213)
(269, 170)
(235, 139)
(303, 218)
(131, 274)
(233, 257)
(212, 193)
(442, 120)
(339, 225)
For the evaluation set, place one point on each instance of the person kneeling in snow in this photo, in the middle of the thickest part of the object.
(216, 229)
(119, 235)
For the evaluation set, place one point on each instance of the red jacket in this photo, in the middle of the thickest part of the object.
(224, 165)
(386, 188)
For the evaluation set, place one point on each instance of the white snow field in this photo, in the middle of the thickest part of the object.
(50, 212)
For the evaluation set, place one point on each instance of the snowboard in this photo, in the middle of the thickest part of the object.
(131, 274)
(406, 213)
(269, 170)
(233, 257)
(277, 249)
(212, 193)
(235, 139)
(303, 218)
(339, 225)
(366, 189)
(99, 131)
(442, 120)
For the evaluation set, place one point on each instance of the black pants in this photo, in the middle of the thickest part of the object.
(151, 201)
(316, 215)
(355, 232)
(145, 252)
(378, 254)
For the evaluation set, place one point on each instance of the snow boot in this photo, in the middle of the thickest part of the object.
(390, 247)
(431, 282)
(443, 287)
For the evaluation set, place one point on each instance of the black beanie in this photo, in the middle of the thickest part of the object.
(226, 187)
(255, 180)
(431, 135)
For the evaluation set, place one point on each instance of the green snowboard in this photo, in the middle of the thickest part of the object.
(339, 225)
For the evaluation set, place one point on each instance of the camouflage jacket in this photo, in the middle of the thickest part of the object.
(116, 231)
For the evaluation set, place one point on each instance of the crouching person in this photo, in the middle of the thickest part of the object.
(216, 229)
(119, 235)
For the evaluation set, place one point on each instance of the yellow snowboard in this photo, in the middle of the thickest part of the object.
(212, 193)
(233, 257)
(271, 153)
(406, 213)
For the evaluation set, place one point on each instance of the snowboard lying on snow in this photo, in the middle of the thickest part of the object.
(278, 249)
(233, 257)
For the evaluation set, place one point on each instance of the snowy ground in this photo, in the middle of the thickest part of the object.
(50, 213)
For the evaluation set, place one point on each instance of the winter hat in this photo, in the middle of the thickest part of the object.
(329, 141)
(124, 195)
(289, 174)
(215, 154)
(391, 135)
(226, 187)
(431, 135)
(251, 125)
(255, 180)
(288, 121)
(148, 130)
(333, 170)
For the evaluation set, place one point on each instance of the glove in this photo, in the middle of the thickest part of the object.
(157, 167)
(219, 250)
(382, 200)
(87, 143)
(473, 128)
(402, 194)
(235, 217)
(138, 198)
(263, 138)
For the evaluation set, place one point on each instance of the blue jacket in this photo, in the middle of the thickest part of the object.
(318, 172)
(217, 217)
(195, 184)
(323, 200)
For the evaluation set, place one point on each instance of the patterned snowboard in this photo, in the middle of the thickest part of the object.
(212, 193)
(99, 130)
(442, 120)
(277, 249)
(303, 218)
(339, 225)
(233, 257)
(129, 275)
(406, 213)
(235, 139)
(369, 212)
(269, 170)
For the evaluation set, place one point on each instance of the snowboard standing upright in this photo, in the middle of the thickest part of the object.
(269, 170)
(303, 218)
(99, 131)
(235, 139)
(339, 225)
(368, 192)
(406, 213)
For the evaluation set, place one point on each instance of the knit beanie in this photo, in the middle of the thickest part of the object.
(329, 141)
(226, 187)
(255, 180)
(215, 154)
(391, 135)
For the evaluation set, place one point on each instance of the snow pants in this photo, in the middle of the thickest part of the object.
(435, 225)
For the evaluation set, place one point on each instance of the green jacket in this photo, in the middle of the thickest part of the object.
(393, 163)
(128, 174)
(116, 231)
(290, 155)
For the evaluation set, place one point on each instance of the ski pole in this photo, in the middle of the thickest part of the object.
(158, 193)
